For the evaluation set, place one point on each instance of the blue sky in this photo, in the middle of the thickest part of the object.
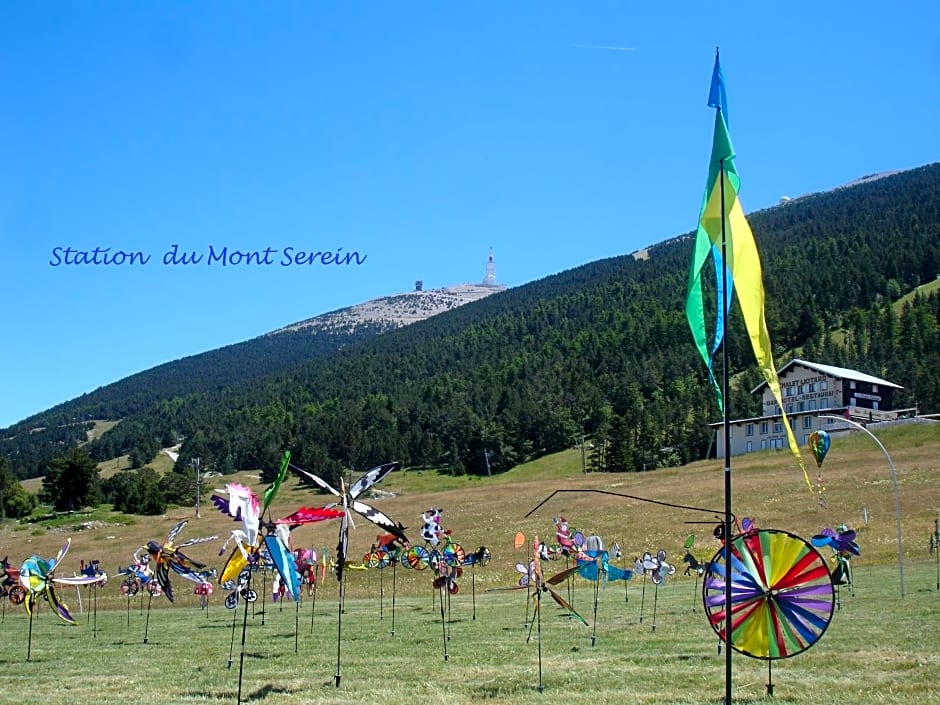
(417, 134)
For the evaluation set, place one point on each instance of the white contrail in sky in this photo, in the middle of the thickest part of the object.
(601, 46)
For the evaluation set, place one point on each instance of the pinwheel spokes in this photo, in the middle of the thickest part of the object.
(37, 577)
(656, 567)
(167, 557)
(348, 500)
(781, 594)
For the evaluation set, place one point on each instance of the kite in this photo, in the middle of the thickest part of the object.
(309, 515)
(782, 596)
(724, 237)
(139, 573)
(254, 549)
(563, 536)
(348, 500)
(692, 566)
(383, 553)
(306, 561)
(242, 504)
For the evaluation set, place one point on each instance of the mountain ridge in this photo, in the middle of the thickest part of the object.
(524, 371)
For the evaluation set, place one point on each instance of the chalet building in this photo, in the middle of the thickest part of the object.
(809, 391)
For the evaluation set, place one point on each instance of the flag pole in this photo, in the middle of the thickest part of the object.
(726, 428)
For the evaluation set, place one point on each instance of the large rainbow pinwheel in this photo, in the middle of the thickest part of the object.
(37, 577)
(782, 596)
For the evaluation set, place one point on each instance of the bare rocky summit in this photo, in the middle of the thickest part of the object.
(396, 310)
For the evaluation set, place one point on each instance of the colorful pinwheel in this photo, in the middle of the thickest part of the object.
(242, 505)
(479, 557)
(37, 577)
(842, 543)
(167, 557)
(781, 594)
(348, 500)
(545, 585)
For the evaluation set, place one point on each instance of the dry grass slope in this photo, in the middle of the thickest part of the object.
(489, 511)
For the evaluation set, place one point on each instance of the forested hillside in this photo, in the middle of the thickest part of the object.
(602, 350)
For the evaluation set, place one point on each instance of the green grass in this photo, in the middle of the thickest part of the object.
(877, 649)
(922, 290)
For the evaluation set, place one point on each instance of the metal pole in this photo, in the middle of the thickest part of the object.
(196, 464)
(725, 399)
(894, 479)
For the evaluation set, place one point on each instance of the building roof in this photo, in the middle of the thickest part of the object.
(832, 371)
(834, 411)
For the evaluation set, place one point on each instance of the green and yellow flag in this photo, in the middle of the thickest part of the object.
(723, 216)
(271, 492)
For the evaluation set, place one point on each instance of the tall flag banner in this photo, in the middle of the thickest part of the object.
(722, 211)
(271, 492)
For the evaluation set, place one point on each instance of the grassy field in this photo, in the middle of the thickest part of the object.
(880, 648)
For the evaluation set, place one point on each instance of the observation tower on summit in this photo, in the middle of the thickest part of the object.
(489, 278)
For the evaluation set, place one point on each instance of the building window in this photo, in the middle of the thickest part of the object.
(824, 403)
(812, 386)
(778, 427)
(750, 446)
(874, 388)
(823, 386)
(812, 405)
(763, 428)
(807, 422)
(852, 384)
(789, 408)
(805, 438)
(750, 429)
(802, 406)
(791, 391)
(763, 444)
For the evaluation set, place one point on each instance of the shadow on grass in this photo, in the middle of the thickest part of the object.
(259, 694)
